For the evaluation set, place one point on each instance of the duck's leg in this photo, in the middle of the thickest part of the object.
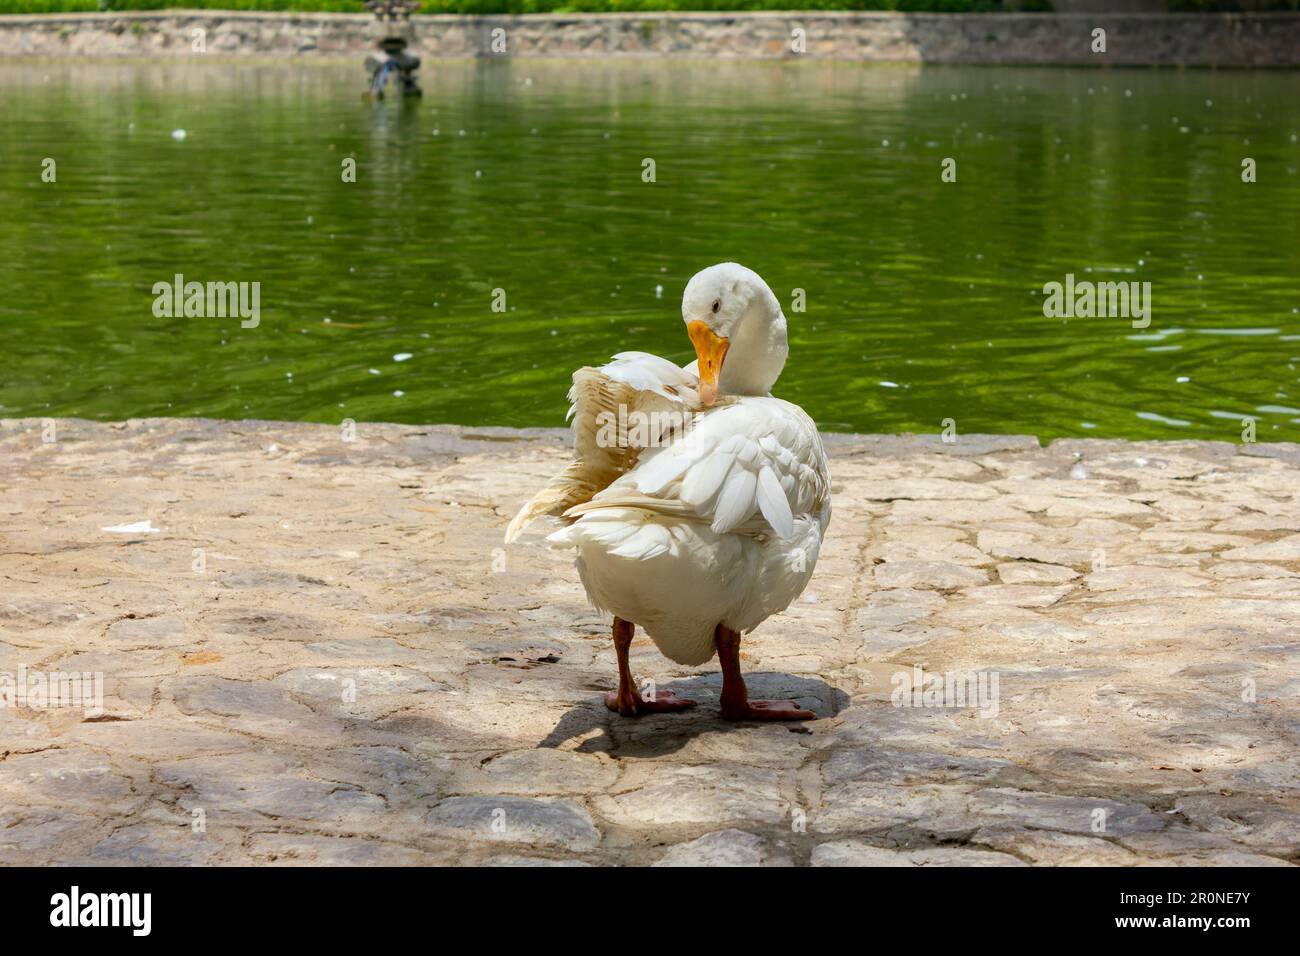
(627, 700)
(736, 704)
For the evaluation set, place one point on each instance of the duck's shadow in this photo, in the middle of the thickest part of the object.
(655, 735)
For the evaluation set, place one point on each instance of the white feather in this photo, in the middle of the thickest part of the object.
(722, 525)
(736, 501)
(704, 480)
(773, 503)
(649, 542)
(659, 470)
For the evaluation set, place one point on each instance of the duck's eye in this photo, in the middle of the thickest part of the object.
(716, 305)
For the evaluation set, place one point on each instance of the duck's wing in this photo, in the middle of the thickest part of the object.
(751, 466)
(653, 396)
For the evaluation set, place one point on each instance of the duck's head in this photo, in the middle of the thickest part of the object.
(736, 325)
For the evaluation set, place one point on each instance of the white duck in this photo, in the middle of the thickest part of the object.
(697, 502)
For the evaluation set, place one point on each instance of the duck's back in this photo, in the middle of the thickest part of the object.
(721, 524)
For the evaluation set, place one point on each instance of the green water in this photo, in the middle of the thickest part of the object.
(924, 298)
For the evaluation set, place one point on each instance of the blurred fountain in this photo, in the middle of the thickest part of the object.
(393, 31)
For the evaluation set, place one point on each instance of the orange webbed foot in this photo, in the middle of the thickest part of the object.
(766, 710)
(634, 704)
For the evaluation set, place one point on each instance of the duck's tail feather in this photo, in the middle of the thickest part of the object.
(602, 399)
(572, 486)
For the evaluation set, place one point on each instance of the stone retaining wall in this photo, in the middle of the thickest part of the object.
(1132, 39)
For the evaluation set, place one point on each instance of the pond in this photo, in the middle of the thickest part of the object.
(501, 232)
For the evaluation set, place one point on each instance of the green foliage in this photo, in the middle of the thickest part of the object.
(616, 6)
(514, 6)
(1232, 6)
(80, 6)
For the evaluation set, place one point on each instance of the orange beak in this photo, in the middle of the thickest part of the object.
(710, 349)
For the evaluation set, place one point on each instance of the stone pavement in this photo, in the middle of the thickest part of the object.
(318, 651)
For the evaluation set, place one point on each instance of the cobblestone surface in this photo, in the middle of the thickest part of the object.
(322, 653)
